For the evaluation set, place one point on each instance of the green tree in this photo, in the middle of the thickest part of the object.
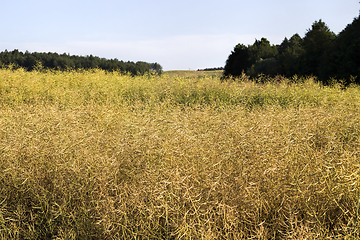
(289, 52)
(255, 59)
(65, 62)
(30, 61)
(316, 41)
(342, 60)
(261, 49)
(262, 58)
(238, 61)
(156, 67)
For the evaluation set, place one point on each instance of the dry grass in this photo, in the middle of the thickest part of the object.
(91, 155)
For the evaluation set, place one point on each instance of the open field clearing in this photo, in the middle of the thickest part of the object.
(95, 155)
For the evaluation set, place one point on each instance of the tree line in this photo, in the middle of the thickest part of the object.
(212, 69)
(30, 61)
(320, 53)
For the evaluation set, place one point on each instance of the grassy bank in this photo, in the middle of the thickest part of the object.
(95, 155)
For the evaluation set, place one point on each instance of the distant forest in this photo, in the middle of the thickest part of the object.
(212, 69)
(320, 53)
(31, 61)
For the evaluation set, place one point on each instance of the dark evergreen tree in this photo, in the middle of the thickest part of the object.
(254, 59)
(238, 61)
(288, 56)
(267, 66)
(261, 49)
(342, 60)
(316, 41)
(263, 58)
(64, 61)
(320, 53)
(30, 61)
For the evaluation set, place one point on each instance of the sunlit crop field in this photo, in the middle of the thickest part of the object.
(96, 155)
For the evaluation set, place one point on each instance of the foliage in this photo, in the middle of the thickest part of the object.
(289, 56)
(261, 49)
(156, 67)
(320, 53)
(31, 61)
(212, 69)
(238, 61)
(342, 58)
(102, 155)
(316, 41)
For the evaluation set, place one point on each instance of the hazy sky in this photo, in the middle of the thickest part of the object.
(186, 34)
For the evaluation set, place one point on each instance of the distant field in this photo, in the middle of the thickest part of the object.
(97, 155)
(190, 73)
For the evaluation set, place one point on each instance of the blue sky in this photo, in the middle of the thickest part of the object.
(187, 34)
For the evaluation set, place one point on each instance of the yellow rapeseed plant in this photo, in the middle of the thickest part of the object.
(100, 155)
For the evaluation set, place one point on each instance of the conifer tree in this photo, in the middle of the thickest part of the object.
(316, 41)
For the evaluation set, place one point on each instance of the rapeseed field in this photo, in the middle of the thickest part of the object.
(100, 155)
